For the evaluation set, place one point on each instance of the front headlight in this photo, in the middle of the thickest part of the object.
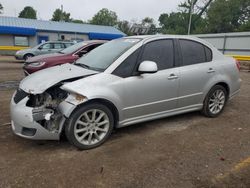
(75, 98)
(18, 52)
(36, 64)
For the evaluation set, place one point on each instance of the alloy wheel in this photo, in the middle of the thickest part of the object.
(91, 127)
(217, 101)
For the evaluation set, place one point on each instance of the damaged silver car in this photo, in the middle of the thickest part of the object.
(123, 82)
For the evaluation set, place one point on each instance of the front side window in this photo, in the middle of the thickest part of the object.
(46, 46)
(161, 52)
(102, 57)
(126, 68)
(193, 52)
(21, 41)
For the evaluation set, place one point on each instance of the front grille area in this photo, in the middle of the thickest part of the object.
(20, 95)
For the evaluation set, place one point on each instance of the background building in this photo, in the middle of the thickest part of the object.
(19, 33)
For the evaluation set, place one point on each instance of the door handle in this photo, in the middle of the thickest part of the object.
(210, 70)
(172, 77)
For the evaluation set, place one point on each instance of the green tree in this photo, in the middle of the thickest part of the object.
(28, 12)
(174, 23)
(124, 26)
(77, 21)
(60, 15)
(149, 22)
(105, 17)
(1, 8)
(228, 16)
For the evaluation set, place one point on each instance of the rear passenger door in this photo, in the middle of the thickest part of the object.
(196, 71)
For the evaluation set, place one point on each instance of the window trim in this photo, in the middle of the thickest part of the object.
(181, 56)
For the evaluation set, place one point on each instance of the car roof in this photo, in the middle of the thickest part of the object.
(58, 41)
(145, 38)
(94, 41)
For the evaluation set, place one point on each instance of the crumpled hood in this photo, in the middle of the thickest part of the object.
(40, 81)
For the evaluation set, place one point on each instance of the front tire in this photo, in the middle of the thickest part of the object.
(89, 126)
(215, 101)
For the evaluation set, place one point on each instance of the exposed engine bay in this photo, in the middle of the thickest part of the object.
(45, 107)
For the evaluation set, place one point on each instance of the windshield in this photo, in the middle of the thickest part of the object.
(102, 57)
(73, 48)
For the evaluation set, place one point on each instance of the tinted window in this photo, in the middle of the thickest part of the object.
(161, 52)
(209, 54)
(92, 47)
(126, 68)
(74, 48)
(87, 50)
(192, 52)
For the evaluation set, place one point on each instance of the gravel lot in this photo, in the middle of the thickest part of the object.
(182, 151)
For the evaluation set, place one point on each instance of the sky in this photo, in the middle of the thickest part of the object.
(85, 9)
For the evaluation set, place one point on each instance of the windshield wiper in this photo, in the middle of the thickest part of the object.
(82, 65)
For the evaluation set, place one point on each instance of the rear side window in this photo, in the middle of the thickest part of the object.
(209, 54)
(161, 52)
(126, 68)
(193, 52)
(58, 46)
(66, 45)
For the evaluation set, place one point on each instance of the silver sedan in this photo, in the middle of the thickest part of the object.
(124, 82)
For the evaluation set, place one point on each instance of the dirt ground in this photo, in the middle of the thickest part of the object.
(180, 152)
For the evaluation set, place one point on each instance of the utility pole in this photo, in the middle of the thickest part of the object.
(190, 17)
(61, 16)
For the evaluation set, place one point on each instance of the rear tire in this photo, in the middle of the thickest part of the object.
(215, 101)
(89, 126)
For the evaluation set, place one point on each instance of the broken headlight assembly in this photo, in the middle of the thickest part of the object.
(45, 108)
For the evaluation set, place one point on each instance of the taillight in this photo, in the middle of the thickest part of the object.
(237, 64)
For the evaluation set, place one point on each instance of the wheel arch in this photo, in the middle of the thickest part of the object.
(29, 53)
(105, 102)
(220, 83)
(226, 86)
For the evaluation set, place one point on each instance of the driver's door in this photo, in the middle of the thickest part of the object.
(154, 94)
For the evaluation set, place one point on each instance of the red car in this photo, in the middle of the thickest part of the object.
(68, 55)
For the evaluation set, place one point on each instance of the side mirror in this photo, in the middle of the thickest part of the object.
(148, 67)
